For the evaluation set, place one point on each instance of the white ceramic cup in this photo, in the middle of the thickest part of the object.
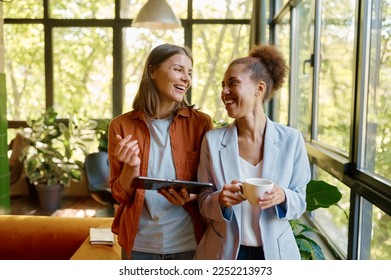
(254, 188)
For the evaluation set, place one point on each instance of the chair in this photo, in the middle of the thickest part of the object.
(98, 171)
(19, 183)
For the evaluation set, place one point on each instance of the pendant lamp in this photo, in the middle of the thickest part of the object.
(156, 14)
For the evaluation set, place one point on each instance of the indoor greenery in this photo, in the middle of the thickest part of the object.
(55, 151)
(319, 194)
(101, 130)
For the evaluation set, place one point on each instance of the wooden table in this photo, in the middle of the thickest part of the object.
(98, 252)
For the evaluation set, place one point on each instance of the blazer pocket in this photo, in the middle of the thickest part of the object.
(210, 245)
(287, 246)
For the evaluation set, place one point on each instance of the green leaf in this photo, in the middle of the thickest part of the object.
(309, 249)
(75, 174)
(321, 195)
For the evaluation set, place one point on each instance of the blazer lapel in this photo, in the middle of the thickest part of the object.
(229, 154)
(229, 157)
(271, 151)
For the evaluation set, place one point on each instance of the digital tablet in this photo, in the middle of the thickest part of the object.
(149, 183)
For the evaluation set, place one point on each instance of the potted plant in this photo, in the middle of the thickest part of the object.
(50, 158)
(319, 194)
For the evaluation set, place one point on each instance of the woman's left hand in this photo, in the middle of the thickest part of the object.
(272, 197)
(176, 196)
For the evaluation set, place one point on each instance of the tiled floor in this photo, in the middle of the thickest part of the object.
(71, 206)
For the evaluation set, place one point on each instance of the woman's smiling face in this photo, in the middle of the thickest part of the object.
(173, 78)
(239, 91)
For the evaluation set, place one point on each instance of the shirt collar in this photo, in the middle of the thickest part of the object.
(184, 112)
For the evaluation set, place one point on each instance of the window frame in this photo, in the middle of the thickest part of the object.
(117, 24)
(364, 187)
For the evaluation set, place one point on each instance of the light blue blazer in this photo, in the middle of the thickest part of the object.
(285, 162)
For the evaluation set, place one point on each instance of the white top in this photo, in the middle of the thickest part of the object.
(251, 232)
(163, 228)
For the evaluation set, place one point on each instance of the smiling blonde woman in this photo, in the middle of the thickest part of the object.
(161, 137)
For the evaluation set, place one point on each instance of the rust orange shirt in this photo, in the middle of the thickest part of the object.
(186, 133)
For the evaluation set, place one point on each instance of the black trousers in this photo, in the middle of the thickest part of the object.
(250, 253)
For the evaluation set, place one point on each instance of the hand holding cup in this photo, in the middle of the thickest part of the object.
(254, 188)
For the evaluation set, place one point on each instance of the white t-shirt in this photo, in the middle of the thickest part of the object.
(163, 228)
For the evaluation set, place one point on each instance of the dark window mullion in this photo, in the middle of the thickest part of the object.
(48, 56)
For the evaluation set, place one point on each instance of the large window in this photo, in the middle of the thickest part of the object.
(378, 246)
(281, 100)
(25, 70)
(60, 9)
(301, 85)
(376, 157)
(81, 57)
(84, 56)
(339, 98)
(211, 48)
(336, 73)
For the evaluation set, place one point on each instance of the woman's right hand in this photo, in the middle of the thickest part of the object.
(229, 195)
(127, 151)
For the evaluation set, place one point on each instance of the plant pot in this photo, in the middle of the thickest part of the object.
(50, 197)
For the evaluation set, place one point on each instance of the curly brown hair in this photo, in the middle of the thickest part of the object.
(265, 63)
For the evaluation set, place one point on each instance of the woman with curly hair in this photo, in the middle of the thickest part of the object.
(252, 146)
